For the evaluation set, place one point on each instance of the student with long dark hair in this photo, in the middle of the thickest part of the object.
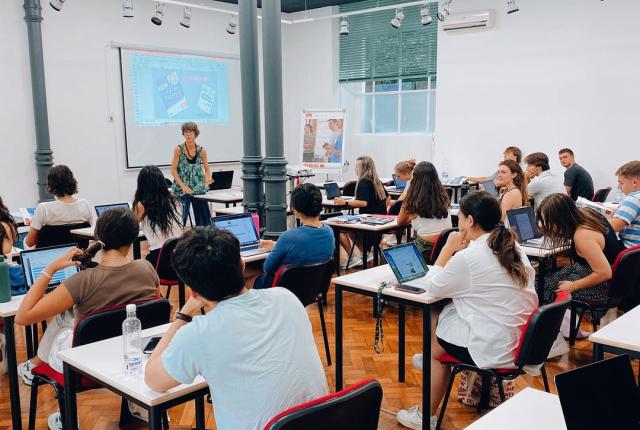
(8, 229)
(156, 209)
(491, 284)
(511, 180)
(426, 206)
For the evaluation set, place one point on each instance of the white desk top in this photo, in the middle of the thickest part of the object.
(370, 279)
(530, 409)
(256, 257)
(222, 196)
(363, 227)
(622, 332)
(540, 252)
(9, 309)
(104, 361)
(89, 232)
(235, 210)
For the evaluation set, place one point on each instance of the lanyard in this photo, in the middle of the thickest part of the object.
(378, 343)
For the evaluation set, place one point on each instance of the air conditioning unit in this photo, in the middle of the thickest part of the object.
(464, 20)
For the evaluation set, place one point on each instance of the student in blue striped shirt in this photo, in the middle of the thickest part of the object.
(626, 220)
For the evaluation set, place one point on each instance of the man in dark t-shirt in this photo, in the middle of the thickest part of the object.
(577, 181)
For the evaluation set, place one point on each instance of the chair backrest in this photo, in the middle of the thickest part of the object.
(439, 244)
(541, 331)
(625, 281)
(306, 282)
(54, 235)
(168, 182)
(349, 189)
(394, 209)
(163, 266)
(354, 408)
(601, 195)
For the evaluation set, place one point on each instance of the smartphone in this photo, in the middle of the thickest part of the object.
(410, 289)
(153, 342)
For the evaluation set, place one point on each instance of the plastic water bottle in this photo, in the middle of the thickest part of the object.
(131, 336)
(445, 177)
(5, 280)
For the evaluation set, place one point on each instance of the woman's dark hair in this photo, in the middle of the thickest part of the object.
(160, 207)
(208, 261)
(486, 213)
(60, 181)
(307, 199)
(115, 228)
(426, 197)
(519, 181)
(559, 218)
(7, 218)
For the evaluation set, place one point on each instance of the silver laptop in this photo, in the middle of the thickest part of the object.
(242, 227)
(523, 221)
(407, 264)
(34, 261)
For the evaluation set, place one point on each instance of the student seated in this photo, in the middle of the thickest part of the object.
(626, 220)
(577, 181)
(255, 348)
(8, 230)
(542, 181)
(426, 206)
(491, 284)
(65, 209)
(510, 153)
(404, 171)
(514, 187)
(293, 247)
(157, 211)
(593, 248)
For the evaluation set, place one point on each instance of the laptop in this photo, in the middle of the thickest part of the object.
(100, 209)
(242, 227)
(222, 180)
(407, 264)
(601, 395)
(523, 221)
(34, 261)
(333, 190)
(490, 187)
(398, 184)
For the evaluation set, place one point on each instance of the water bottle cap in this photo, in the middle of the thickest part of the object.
(131, 308)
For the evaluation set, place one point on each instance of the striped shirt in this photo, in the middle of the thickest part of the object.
(629, 211)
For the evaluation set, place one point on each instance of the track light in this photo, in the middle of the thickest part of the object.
(127, 8)
(186, 17)
(232, 27)
(157, 18)
(512, 6)
(396, 22)
(446, 10)
(56, 4)
(344, 27)
(425, 17)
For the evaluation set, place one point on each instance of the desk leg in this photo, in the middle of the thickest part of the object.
(226, 205)
(376, 250)
(137, 254)
(401, 345)
(365, 250)
(199, 405)
(155, 418)
(338, 338)
(14, 390)
(336, 251)
(181, 294)
(28, 339)
(426, 366)
(598, 353)
(71, 411)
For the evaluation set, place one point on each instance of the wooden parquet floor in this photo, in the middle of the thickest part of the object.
(99, 409)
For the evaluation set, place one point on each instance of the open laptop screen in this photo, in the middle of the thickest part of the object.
(240, 225)
(399, 183)
(332, 189)
(100, 209)
(490, 187)
(36, 260)
(523, 220)
(406, 262)
(222, 180)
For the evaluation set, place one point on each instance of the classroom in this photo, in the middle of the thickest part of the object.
(266, 214)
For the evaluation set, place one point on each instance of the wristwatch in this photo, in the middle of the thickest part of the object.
(183, 317)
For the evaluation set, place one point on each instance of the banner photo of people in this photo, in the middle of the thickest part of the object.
(323, 142)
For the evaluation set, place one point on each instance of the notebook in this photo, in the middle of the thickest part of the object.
(333, 190)
(523, 221)
(407, 264)
(242, 227)
(100, 209)
(36, 260)
(222, 180)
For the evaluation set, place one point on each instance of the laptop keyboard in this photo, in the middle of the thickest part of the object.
(255, 251)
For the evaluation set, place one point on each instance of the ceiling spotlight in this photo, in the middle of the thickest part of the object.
(232, 27)
(425, 17)
(396, 22)
(446, 10)
(344, 27)
(127, 8)
(56, 4)
(157, 18)
(186, 17)
(512, 6)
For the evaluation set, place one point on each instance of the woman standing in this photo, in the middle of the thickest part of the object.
(511, 179)
(191, 175)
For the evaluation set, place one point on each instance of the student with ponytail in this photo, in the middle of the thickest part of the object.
(491, 283)
(404, 171)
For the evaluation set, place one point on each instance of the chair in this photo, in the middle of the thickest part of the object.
(167, 274)
(309, 283)
(98, 325)
(349, 189)
(168, 182)
(54, 235)
(439, 244)
(354, 408)
(536, 339)
(601, 195)
(623, 286)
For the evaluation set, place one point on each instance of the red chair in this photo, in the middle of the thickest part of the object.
(439, 244)
(354, 408)
(601, 195)
(167, 274)
(98, 325)
(537, 337)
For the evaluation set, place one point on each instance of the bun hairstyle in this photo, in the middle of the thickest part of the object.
(486, 213)
(307, 199)
(405, 167)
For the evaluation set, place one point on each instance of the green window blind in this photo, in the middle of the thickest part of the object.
(373, 49)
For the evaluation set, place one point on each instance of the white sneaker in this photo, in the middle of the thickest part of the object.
(412, 418)
(55, 421)
(3, 354)
(355, 262)
(559, 347)
(417, 361)
(24, 371)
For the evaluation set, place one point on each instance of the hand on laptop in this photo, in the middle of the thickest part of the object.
(267, 244)
(66, 260)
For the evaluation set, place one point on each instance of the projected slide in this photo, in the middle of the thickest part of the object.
(172, 88)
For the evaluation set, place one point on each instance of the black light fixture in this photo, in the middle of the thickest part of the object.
(396, 22)
(425, 16)
(344, 27)
(445, 11)
(56, 4)
(157, 18)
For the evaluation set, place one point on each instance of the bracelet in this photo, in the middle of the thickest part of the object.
(183, 317)
(45, 273)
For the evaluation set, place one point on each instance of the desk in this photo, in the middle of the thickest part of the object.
(228, 197)
(89, 233)
(366, 283)
(530, 409)
(102, 362)
(621, 336)
(8, 312)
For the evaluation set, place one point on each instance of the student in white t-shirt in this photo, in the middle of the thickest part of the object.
(65, 209)
(255, 348)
